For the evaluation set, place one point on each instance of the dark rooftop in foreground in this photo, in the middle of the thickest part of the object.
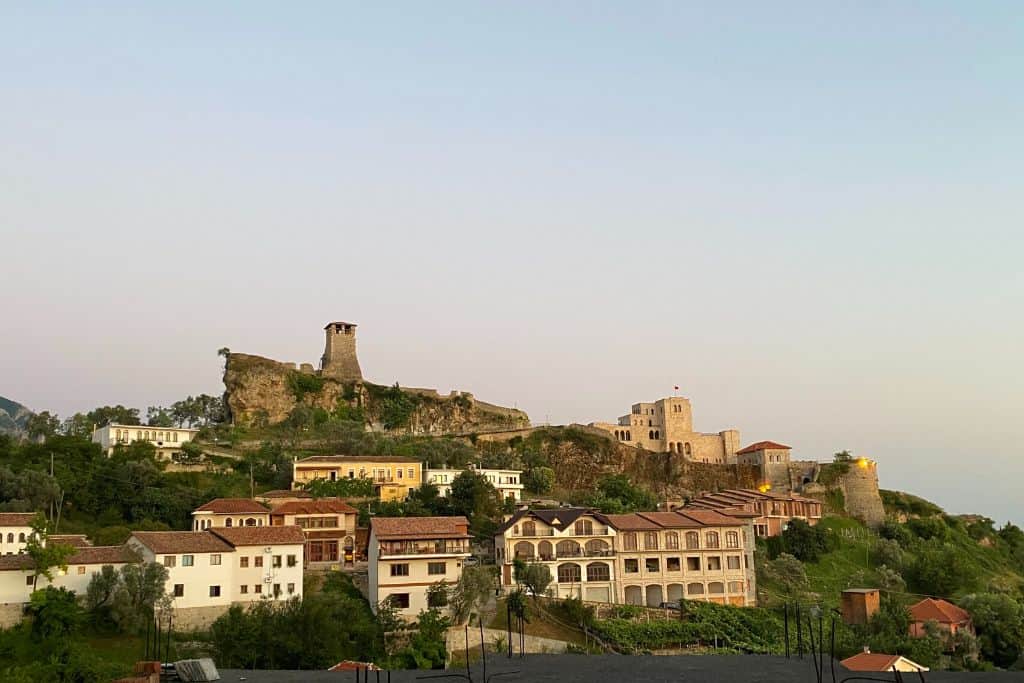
(627, 669)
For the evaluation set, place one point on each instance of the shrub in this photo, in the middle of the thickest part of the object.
(301, 384)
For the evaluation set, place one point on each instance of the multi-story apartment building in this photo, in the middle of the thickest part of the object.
(167, 440)
(229, 512)
(394, 477)
(407, 555)
(576, 544)
(666, 426)
(15, 530)
(770, 512)
(508, 483)
(329, 526)
(210, 570)
(642, 558)
(696, 555)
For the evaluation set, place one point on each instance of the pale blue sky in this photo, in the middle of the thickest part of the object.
(807, 215)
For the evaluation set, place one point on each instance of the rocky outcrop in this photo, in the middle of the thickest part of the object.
(261, 391)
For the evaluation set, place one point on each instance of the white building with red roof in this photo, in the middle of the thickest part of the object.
(230, 512)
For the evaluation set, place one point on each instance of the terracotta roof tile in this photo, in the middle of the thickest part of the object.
(342, 459)
(76, 540)
(231, 506)
(19, 561)
(938, 610)
(284, 493)
(173, 542)
(104, 554)
(314, 507)
(420, 527)
(260, 535)
(762, 445)
(870, 661)
(710, 517)
(17, 518)
(630, 522)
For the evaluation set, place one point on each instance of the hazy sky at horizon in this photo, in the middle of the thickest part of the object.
(807, 216)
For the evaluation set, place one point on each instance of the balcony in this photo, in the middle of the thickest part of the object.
(390, 550)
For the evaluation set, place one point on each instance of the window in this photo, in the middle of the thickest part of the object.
(412, 472)
(598, 571)
(214, 559)
(187, 560)
(716, 587)
(584, 527)
(399, 600)
(227, 522)
(692, 540)
(170, 560)
(733, 561)
(257, 589)
(21, 537)
(291, 588)
(672, 540)
(732, 540)
(632, 566)
(214, 591)
(277, 590)
(629, 541)
(672, 564)
(437, 568)
(400, 570)
(651, 564)
(712, 539)
(736, 587)
(400, 471)
(569, 573)
(81, 570)
(715, 564)
(179, 590)
(257, 561)
(243, 562)
(277, 562)
(695, 589)
(292, 561)
(29, 580)
(175, 435)
(650, 540)
(243, 589)
(693, 564)
(10, 538)
(529, 529)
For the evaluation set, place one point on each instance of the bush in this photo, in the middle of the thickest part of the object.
(301, 384)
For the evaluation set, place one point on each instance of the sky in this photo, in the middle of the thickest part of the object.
(807, 215)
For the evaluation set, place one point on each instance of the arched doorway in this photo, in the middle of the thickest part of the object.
(654, 595)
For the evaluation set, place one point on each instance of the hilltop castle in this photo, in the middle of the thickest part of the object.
(339, 360)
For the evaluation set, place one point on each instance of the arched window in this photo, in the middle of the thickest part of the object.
(529, 529)
(138, 435)
(671, 446)
(546, 551)
(732, 540)
(250, 521)
(584, 527)
(712, 539)
(657, 434)
(650, 540)
(672, 540)
(598, 571)
(617, 437)
(21, 537)
(596, 547)
(175, 437)
(692, 540)
(227, 522)
(523, 551)
(650, 435)
(569, 573)
(695, 589)
(10, 538)
(716, 587)
(629, 541)
(568, 549)
(686, 449)
(629, 435)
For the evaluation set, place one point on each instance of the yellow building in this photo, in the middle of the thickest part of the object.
(394, 477)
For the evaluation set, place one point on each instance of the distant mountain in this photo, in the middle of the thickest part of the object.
(13, 417)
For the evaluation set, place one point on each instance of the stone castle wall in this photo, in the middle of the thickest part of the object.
(860, 489)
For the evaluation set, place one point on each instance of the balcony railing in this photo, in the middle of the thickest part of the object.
(436, 549)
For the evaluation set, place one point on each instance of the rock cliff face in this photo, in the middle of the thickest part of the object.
(261, 391)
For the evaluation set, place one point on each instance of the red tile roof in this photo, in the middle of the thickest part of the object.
(709, 517)
(314, 507)
(231, 506)
(17, 518)
(420, 527)
(285, 493)
(260, 535)
(870, 661)
(342, 459)
(631, 522)
(763, 445)
(103, 554)
(680, 519)
(19, 561)
(173, 542)
(76, 540)
(940, 611)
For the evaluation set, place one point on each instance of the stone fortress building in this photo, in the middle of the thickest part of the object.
(666, 426)
(339, 360)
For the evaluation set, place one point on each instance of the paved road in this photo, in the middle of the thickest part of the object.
(615, 668)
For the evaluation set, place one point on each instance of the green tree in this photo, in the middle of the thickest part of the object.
(142, 584)
(43, 425)
(158, 416)
(789, 575)
(360, 487)
(45, 556)
(616, 494)
(805, 542)
(999, 621)
(55, 613)
(539, 480)
(471, 592)
(100, 594)
(473, 496)
(536, 577)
